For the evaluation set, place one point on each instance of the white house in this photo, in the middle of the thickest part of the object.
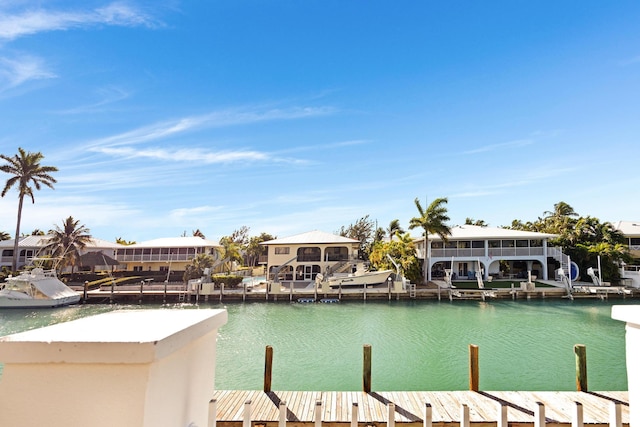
(30, 247)
(301, 257)
(471, 247)
(165, 254)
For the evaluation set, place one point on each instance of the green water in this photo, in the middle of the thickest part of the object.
(416, 345)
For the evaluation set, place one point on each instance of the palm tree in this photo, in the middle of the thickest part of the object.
(433, 221)
(394, 229)
(231, 251)
(25, 170)
(4, 235)
(67, 241)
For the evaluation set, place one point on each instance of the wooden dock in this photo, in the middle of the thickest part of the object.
(235, 408)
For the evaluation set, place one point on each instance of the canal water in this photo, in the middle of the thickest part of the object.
(416, 345)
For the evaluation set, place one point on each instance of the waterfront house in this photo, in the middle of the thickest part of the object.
(299, 258)
(30, 247)
(165, 254)
(631, 232)
(498, 252)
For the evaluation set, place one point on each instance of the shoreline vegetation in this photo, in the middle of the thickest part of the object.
(583, 239)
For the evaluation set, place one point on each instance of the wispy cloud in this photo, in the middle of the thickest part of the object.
(189, 155)
(229, 117)
(20, 69)
(504, 145)
(107, 95)
(33, 21)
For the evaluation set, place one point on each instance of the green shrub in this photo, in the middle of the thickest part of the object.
(230, 282)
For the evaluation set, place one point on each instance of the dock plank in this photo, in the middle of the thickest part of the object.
(446, 406)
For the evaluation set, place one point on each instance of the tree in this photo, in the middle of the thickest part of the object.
(37, 232)
(394, 229)
(198, 233)
(362, 230)
(230, 250)
(478, 222)
(195, 269)
(26, 171)
(433, 220)
(67, 241)
(255, 250)
(4, 235)
(122, 241)
(403, 253)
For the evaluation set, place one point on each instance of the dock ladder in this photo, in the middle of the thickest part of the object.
(412, 290)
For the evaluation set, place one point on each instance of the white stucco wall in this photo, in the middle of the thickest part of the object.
(631, 315)
(130, 368)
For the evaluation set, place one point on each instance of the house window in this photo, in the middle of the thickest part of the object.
(437, 245)
(507, 243)
(336, 253)
(137, 268)
(309, 253)
(494, 243)
(522, 243)
(279, 250)
(464, 244)
(477, 244)
(164, 268)
(634, 241)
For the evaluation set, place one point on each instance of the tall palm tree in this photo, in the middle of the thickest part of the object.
(67, 241)
(26, 171)
(433, 220)
(394, 229)
(4, 235)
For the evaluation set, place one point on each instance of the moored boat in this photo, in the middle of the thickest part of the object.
(358, 279)
(34, 289)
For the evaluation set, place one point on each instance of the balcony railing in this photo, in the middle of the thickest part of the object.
(479, 252)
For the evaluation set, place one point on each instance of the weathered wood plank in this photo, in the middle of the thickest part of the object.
(409, 406)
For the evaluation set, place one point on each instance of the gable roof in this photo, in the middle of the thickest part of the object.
(176, 242)
(39, 241)
(315, 236)
(475, 232)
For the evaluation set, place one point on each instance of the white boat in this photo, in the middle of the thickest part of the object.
(358, 279)
(36, 288)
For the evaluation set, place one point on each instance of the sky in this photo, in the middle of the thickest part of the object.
(168, 116)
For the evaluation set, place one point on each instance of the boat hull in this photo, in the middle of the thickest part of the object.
(367, 279)
(8, 302)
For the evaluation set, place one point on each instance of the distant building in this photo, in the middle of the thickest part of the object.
(165, 254)
(498, 252)
(30, 247)
(631, 231)
(301, 257)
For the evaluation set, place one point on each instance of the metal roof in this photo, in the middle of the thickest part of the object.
(628, 228)
(176, 242)
(315, 236)
(475, 232)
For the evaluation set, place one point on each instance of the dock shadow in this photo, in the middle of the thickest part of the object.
(514, 406)
(609, 398)
(276, 401)
(400, 410)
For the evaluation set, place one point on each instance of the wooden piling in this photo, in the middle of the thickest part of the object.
(581, 367)
(474, 368)
(268, 364)
(366, 369)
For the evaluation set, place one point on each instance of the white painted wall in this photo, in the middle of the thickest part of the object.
(130, 368)
(631, 315)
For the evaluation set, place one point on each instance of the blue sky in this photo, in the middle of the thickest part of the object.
(168, 116)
